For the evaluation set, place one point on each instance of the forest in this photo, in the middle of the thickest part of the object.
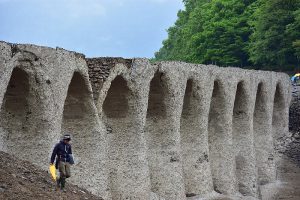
(257, 34)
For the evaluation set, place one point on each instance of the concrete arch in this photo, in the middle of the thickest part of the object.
(220, 140)
(242, 133)
(80, 119)
(116, 100)
(15, 107)
(156, 102)
(20, 112)
(162, 137)
(263, 140)
(116, 103)
(194, 142)
(124, 140)
(101, 87)
(280, 113)
(154, 130)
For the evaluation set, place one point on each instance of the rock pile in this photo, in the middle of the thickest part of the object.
(293, 148)
(290, 146)
(294, 117)
(290, 143)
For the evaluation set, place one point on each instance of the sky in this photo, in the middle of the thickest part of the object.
(96, 28)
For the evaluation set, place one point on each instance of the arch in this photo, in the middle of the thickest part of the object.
(15, 108)
(115, 104)
(125, 142)
(280, 113)
(155, 129)
(187, 109)
(243, 142)
(19, 116)
(162, 137)
(156, 102)
(115, 110)
(194, 144)
(80, 119)
(77, 105)
(188, 127)
(220, 141)
(263, 140)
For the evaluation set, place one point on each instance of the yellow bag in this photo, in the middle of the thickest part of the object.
(53, 172)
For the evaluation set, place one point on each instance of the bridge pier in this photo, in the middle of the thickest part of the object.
(193, 133)
(121, 103)
(242, 132)
(263, 139)
(24, 117)
(163, 136)
(80, 119)
(220, 137)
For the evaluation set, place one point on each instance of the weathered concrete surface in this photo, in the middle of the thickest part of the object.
(34, 86)
(144, 131)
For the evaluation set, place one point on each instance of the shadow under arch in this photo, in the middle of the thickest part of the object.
(187, 109)
(280, 114)
(156, 101)
(16, 109)
(80, 119)
(220, 141)
(243, 141)
(20, 118)
(263, 140)
(116, 103)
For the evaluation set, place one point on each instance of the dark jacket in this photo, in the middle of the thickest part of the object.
(62, 152)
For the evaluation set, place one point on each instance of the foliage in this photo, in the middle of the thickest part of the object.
(275, 32)
(261, 33)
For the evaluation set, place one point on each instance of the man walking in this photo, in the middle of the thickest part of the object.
(63, 154)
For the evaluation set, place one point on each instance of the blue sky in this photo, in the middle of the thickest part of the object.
(126, 28)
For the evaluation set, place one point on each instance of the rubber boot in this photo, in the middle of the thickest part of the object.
(62, 184)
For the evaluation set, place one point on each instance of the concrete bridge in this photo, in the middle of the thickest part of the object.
(141, 130)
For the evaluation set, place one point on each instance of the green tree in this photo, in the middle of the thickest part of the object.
(263, 33)
(176, 46)
(275, 31)
(293, 31)
(209, 31)
(225, 33)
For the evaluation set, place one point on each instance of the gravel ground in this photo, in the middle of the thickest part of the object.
(293, 141)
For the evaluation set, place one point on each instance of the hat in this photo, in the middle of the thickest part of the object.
(67, 137)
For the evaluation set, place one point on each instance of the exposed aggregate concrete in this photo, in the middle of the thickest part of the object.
(140, 130)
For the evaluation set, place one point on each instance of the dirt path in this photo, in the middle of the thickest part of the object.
(22, 180)
(288, 185)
